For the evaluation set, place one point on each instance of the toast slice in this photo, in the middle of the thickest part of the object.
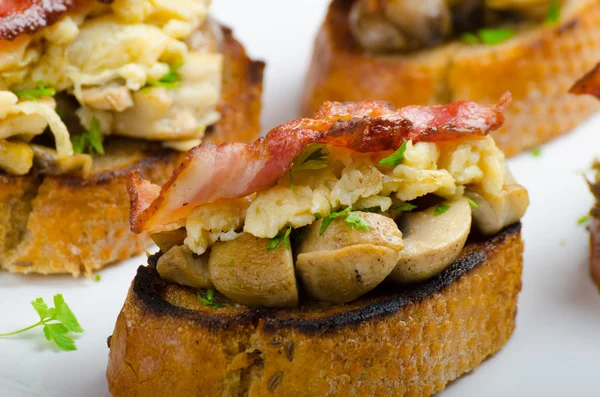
(410, 342)
(62, 224)
(537, 66)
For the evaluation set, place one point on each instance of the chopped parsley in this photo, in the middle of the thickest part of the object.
(34, 93)
(57, 321)
(209, 300)
(275, 241)
(312, 158)
(395, 158)
(536, 152)
(327, 219)
(171, 80)
(406, 207)
(553, 14)
(583, 220)
(97, 277)
(488, 36)
(440, 209)
(356, 222)
(472, 202)
(90, 141)
(317, 216)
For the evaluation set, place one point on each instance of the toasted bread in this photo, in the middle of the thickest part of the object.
(410, 342)
(538, 66)
(65, 224)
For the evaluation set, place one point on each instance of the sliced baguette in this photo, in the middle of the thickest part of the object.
(391, 342)
(61, 224)
(538, 66)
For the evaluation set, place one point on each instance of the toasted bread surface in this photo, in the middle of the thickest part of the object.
(408, 341)
(63, 224)
(538, 66)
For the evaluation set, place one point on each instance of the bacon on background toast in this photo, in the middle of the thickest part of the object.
(19, 17)
(588, 84)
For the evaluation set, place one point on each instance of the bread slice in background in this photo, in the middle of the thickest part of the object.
(538, 66)
(401, 341)
(62, 224)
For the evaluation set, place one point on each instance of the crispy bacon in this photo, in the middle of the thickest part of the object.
(588, 84)
(232, 170)
(19, 17)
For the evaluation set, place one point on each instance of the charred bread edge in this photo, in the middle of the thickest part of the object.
(148, 287)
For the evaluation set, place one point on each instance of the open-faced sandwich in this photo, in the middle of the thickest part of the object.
(427, 52)
(366, 251)
(90, 90)
(590, 84)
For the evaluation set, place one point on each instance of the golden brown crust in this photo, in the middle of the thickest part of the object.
(538, 68)
(406, 343)
(71, 225)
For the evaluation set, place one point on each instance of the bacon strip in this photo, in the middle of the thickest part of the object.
(588, 84)
(234, 170)
(19, 17)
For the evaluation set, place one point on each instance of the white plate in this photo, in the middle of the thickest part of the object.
(554, 352)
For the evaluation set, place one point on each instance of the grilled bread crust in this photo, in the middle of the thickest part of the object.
(410, 342)
(63, 224)
(538, 67)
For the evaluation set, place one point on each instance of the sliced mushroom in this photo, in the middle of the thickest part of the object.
(49, 162)
(431, 242)
(374, 32)
(495, 212)
(168, 239)
(344, 263)
(15, 157)
(180, 265)
(247, 272)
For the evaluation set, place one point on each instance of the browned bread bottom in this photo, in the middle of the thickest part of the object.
(538, 67)
(61, 224)
(410, 342)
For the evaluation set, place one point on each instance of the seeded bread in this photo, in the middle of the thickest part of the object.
(62, 224)
(538, 66)
(408, 341)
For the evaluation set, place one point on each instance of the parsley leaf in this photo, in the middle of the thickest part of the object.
(327, 219)
(57, 322)
(553, 14)
(312, 158)
(395, 158)
(472, 202)
(89, 141)
(357, 222)
(496, 36)
(470, 38)
(406, 207)
(209, 300)
(583, 220)
(97, 277)
(274, 242)
(171, 80)
(536, 152)
(440, 209)
(34, 93)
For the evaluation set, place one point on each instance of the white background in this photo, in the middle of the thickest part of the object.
(554, 352)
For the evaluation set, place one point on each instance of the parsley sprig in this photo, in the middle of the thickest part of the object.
(553, 14)
(472, 202)
(34, 93)
(489, 36)
(353, 220)
(406, 207)
(583, 219)
(171, 80)
(275, 241)
(57, 321)
(440, 209)
(312, 158)
(209, 300)
(395, 158)
(89, 141)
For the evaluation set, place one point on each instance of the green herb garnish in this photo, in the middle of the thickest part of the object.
(312, 158)
(171, 80)
(472, 202)
(440, 209)
(89, 141)
(488, 36)
(553, 14)
(97, 277)
(406, 207)
(536, 152)
(317, 216)
(274, 242)
(327, 219)
(35, 93)
(356, 222)
(209, 300)
(395, 158)
(582, 220)
(57, 321)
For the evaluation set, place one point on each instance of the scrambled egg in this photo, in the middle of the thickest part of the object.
(356, 180)
(111, 59)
